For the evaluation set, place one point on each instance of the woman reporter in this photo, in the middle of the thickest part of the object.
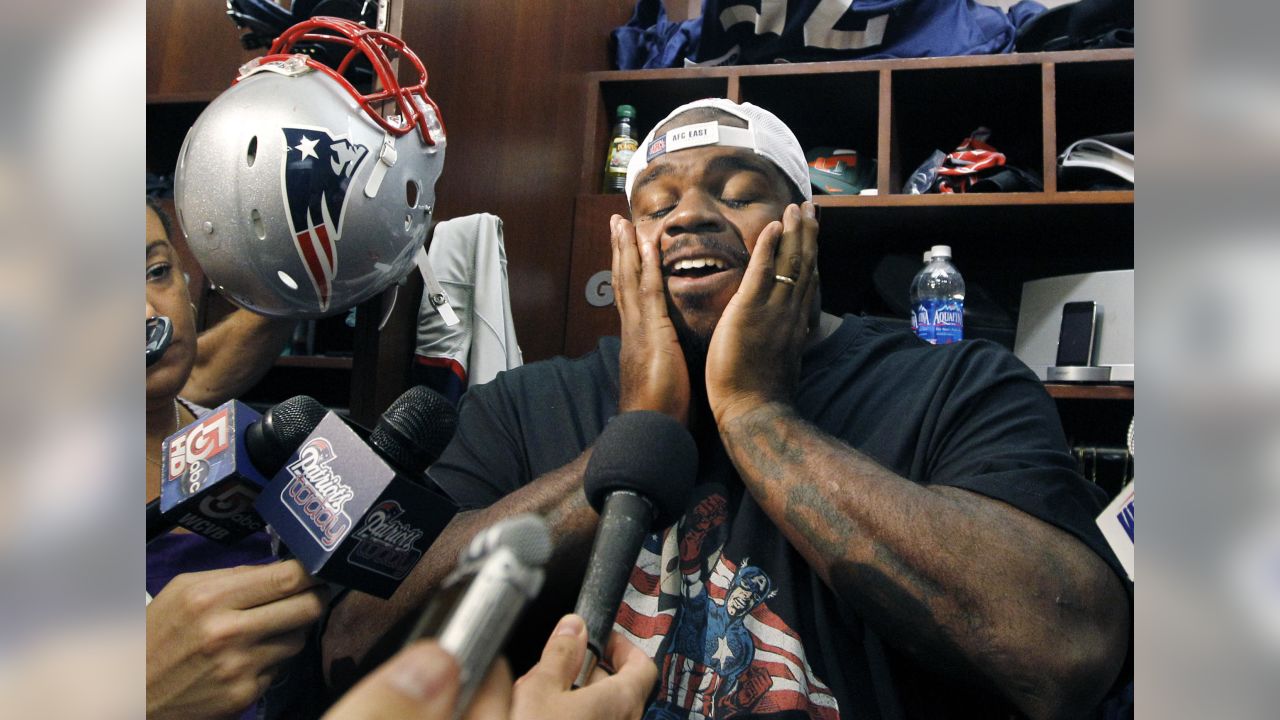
(223, 618)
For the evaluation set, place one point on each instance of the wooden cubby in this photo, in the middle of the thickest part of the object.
(937, 108)
(1092, 98)
(899, 111)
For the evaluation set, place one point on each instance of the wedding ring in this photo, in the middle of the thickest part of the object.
(785, 279)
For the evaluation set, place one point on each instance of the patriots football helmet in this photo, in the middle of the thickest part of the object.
(301, 196)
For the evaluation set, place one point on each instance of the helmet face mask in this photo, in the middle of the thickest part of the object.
(298, 198)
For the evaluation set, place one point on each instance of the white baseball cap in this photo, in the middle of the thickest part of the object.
(764, 134)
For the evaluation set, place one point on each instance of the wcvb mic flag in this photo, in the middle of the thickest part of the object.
(347, 515)
(208, 484)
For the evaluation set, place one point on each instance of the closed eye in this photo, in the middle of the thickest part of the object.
(739, 202)
(659, 213)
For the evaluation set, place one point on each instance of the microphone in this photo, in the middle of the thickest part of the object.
(214, 468)
(282, 430)
(415, 430)
(639, 479)
(497, 575)
(159, 337)
(357, 515)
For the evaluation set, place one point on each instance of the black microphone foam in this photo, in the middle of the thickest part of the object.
(415, 429)
(639, 478)
(647, 453)
(282, 429)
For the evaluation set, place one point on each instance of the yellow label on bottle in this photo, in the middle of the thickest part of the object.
(620, 152)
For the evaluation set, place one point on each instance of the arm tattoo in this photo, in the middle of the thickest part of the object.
(759, 437)
(960, 582)
(818, 518)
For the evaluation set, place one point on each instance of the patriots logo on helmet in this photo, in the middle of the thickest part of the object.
(316, 174)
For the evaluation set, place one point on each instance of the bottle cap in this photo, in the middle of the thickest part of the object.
(928, 255)
(626, 111)
(943, 251)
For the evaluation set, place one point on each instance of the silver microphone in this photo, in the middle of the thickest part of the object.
(498, 573)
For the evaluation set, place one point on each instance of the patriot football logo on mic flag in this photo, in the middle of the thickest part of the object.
(316, 175)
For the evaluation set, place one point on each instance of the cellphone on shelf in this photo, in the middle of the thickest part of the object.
(159, 335)
(1075, 339)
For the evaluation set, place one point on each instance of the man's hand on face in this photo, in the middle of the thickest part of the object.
(754, 357)
(653, 372)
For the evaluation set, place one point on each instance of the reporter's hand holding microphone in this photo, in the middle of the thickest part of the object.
(546, 691)
(422, 681)
(215, 638)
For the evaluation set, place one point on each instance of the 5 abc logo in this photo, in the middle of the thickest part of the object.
(202, 441)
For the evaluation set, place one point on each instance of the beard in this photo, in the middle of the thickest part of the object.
(695, 342)
(694, 331)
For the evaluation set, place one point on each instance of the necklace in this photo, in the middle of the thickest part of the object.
(177, 422)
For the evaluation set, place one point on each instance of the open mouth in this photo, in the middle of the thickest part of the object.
(697, 267)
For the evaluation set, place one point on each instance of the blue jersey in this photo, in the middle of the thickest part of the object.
(745, 32)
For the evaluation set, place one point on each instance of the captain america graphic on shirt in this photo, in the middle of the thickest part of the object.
(721, 652)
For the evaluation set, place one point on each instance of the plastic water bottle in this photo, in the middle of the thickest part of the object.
(939, 304)
(914, 294)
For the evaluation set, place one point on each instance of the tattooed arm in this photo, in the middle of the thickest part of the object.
(960, 582)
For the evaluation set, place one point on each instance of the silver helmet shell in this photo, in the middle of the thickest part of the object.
(297, 198)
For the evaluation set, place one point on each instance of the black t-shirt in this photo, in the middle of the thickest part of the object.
(735, 618)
